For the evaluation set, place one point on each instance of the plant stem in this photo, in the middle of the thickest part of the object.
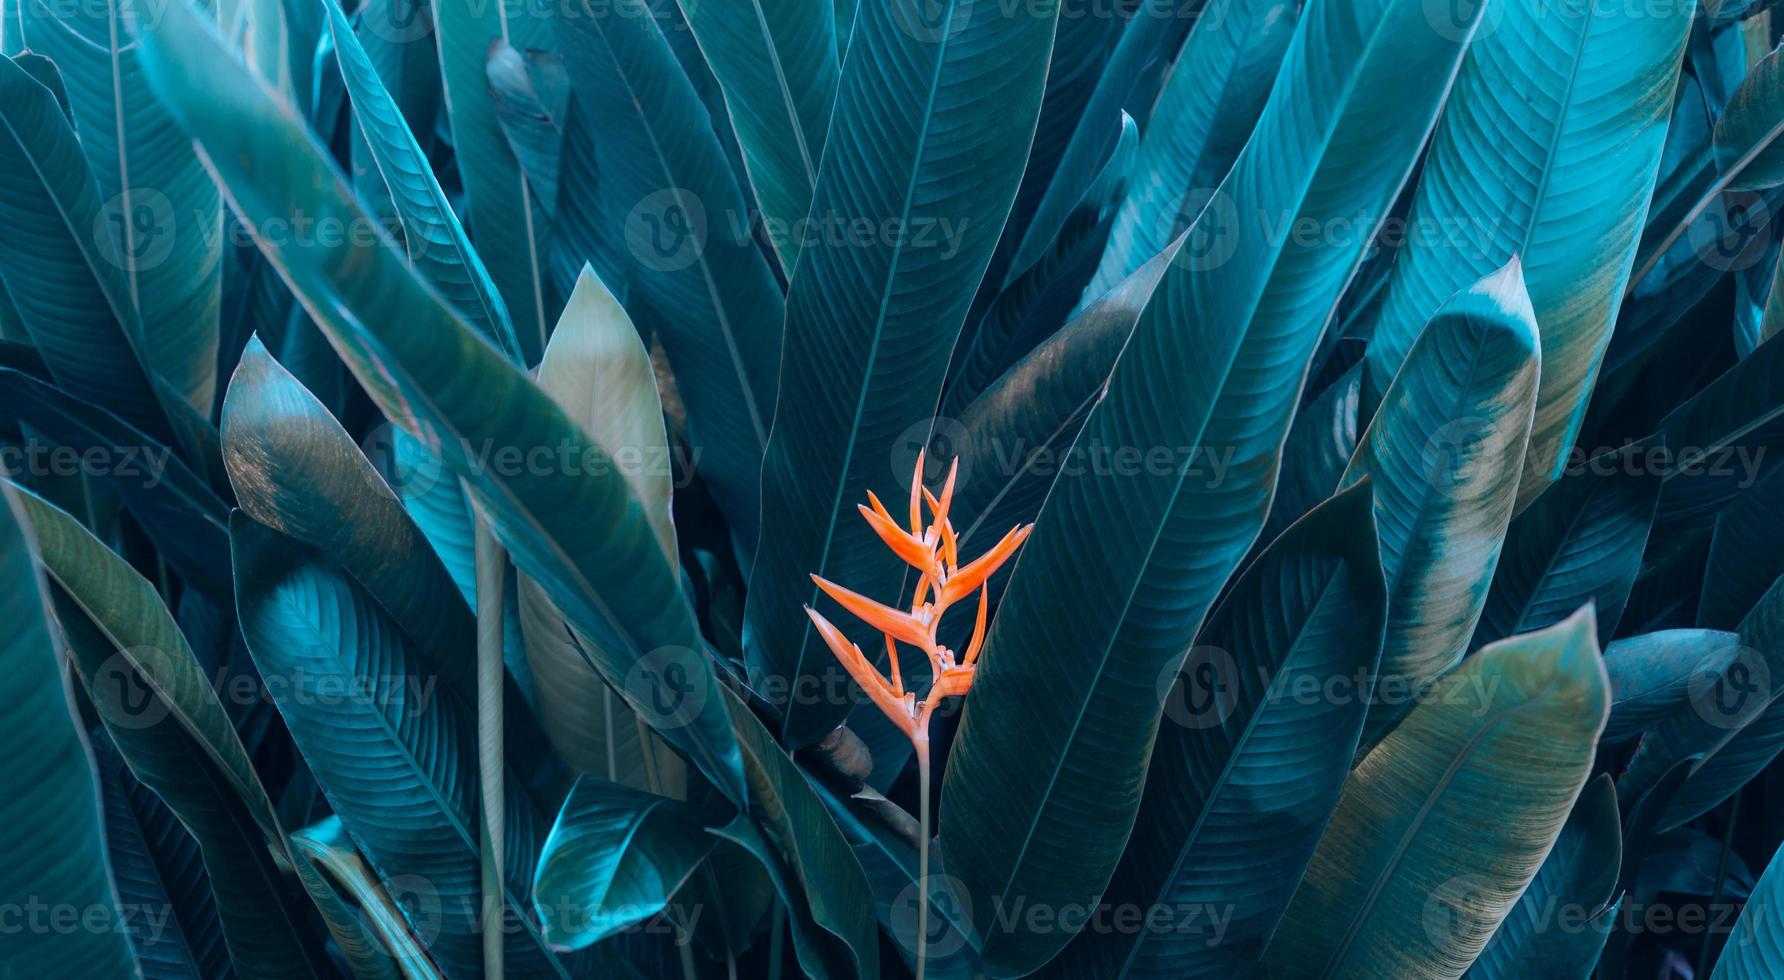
(491, 562)
(922, 744)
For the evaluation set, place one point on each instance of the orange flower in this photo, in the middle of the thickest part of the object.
(932, 550)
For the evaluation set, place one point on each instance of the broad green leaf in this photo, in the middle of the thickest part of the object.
(1146, 43)
(693, 264)
(1044, 777)
(1722, 434)
(1732, 717)
(614, 858)
(1442, 827)
(395, 757)
(1746, 554)
(1653, 675)
(78, 309)
(598, 372)
(168, 722)
(1039, 302)
(929, 97)
(52, 803)
(574, 527)
(778, 65)
(157, 865)
(1261, 728)
(437, 246)
(508, 221)
(1444, 452)
(821, 874)
(1559, 926)
(1317, 452)
(396, 954)
(532, 93)
(1209, 105)
(1579, 541)
(1547, 153)
(1754, 949)
(161, 223)
(176, 507)
(1745, 141)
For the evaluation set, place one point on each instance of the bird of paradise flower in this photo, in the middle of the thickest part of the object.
(933, 551)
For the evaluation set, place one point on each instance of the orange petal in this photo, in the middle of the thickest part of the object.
(978, 640)
(941, 507)
(950, 545)
(954, 682)
(900, 625)
(856, 664)
(912, 551)
(963, 582)
(892, 660)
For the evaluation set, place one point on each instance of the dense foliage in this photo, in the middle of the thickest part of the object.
(458, 455)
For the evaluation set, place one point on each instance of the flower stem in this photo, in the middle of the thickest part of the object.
(922, 745)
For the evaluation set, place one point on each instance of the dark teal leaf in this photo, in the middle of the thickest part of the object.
(929, 96)
(1248, 766)
(1746, 553)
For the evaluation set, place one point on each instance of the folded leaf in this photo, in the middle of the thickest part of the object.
(1250, 762)
(1754, 949)
(52, 806)
(1442, 827)
(1444, 452)
(1044, 778)
(1547, 152)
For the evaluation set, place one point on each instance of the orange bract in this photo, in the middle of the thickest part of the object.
(933, 551)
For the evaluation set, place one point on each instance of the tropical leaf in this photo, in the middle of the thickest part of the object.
(1753, 949)
(508, 221)
(1245, 775)
(532, 93)
(1652, 675)
(1745, 141)
(161, 223)
(1547, 153)
(1579, 541)
(437, 246)
(926, 96)
(1044, 777)
(1442, 827)
(78, 311)
(396, 954)
(1209, 105)
(1578, 880)
(1317, 452)
(778, 63)
(53, 805)
(159, 873)
(577, 529)
(692, 261)
(140, 674)
(1444, 452)
(396, 763)
(615, 857)
(1746, 554)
